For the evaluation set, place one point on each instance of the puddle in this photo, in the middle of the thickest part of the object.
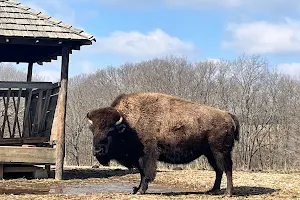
(108, 187)
(87, 189)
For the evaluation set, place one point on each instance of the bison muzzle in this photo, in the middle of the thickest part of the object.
(139, 129)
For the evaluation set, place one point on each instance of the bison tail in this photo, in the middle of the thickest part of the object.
(237, 127)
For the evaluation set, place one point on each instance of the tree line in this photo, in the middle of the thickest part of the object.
(266, 102)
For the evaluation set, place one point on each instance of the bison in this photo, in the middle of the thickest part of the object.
(139, 129)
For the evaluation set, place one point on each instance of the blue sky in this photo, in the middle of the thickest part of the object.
(134, 30)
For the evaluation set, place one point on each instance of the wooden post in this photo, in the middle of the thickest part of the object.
(48, 169)
(29, 72)
(61, 117)
(29, 79)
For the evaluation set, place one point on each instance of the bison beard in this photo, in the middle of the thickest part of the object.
(148, 127)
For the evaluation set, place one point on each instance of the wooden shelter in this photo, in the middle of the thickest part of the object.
(28, 108)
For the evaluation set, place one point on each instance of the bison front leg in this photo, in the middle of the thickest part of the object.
(212, 161)
(148, 164)
(142, 175)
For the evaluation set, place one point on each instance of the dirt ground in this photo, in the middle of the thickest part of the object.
(89, 184)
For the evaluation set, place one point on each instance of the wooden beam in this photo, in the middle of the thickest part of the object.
(28, 85)
(28, 53)
(44, 42)
(30, 155)
(62, 104)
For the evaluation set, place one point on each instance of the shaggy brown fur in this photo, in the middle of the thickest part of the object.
(165, 128)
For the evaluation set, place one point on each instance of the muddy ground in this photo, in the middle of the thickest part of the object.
(104, 183)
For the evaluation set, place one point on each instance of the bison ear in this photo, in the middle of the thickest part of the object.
(119, 121)
(121, 128)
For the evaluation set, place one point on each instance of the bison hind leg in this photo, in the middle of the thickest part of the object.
(223, 163)
(228, 171)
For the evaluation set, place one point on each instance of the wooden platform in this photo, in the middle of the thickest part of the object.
(28, 155)
(12, 157)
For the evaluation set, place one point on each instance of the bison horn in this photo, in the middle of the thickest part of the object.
(119, 121)
(89, 119)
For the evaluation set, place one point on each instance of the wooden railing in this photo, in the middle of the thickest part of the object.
(27, 109)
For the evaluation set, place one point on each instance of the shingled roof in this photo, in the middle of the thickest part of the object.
(27, 35)
(17, 20)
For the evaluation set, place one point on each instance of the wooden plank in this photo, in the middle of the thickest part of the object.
(28, 85)
(6, 103)
(13, 92)
(51, 120)
(48, 169)
(37, 114)
(62, 105)
(39, 109)
(16, 91)
(26, 124)
(19, 141)
(32, 155)
(45, 110)
(16, 120)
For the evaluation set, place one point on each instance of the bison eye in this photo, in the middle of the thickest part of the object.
(92, 128)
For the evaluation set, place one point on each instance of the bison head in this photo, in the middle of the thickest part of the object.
(105, 123)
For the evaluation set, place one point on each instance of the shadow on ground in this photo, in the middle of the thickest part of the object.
(94, 173)
(241, 191)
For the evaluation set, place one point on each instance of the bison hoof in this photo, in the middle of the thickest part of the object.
(213, 191)
(135, 190)
(141, 192)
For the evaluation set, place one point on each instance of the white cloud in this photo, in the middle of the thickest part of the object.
(49, 75)
(49, 71)
(292, 69)
(88, 67)
(139, 45)
(213, 60)
(264, 37)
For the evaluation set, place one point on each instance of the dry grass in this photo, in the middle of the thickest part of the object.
(192, 182)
